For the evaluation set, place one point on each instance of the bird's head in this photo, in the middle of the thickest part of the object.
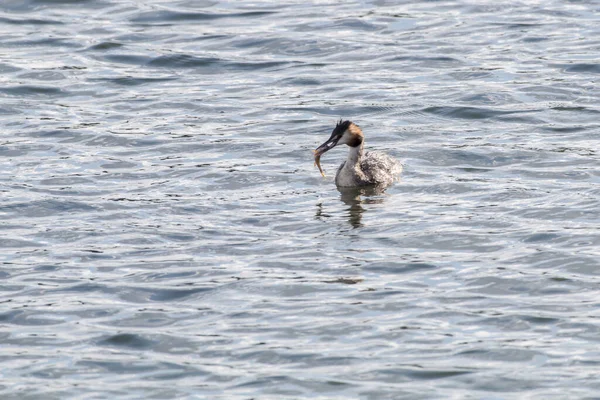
(345, 132)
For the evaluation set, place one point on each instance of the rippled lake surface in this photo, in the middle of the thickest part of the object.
(165, 233)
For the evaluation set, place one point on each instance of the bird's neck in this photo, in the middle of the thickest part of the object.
(355, 154)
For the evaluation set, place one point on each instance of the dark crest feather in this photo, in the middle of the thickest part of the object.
(341, 127)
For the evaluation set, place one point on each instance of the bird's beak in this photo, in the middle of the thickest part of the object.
(328, 145)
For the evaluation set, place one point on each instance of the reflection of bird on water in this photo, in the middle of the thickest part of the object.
(360, 168)
(352, 197)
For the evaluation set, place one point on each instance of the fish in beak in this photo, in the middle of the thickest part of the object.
(328, 145)
(337, 134)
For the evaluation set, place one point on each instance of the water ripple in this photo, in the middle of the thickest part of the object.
(162, 16)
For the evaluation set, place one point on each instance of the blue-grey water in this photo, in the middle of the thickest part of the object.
(165, 234)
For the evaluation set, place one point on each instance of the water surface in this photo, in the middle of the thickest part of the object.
(166, 235)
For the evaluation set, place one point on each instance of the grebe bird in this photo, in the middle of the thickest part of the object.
(360, 168)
